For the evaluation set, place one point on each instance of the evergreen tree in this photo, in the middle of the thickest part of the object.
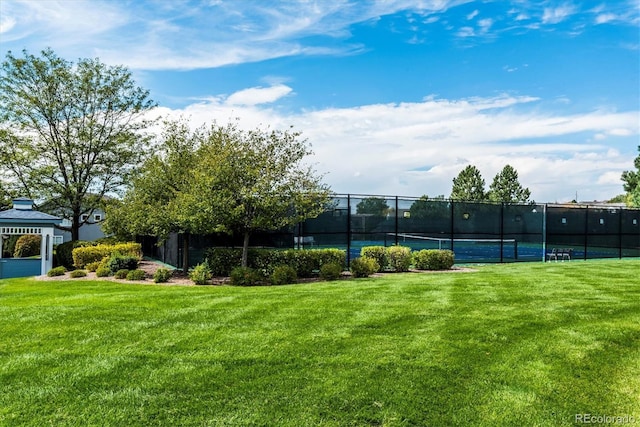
(469, 185)
(631, 184)
(507, 189)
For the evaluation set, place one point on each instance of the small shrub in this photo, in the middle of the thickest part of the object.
(364, 267)
(245, 276)
(162, 275)
(433, 259)
(378, 253)
(57, 271)
(121, 274)
(77, 273)
(331, 271)
(93, 266)
(103, 272)
(27, 245)
(121, 262)
(283, 275)
(399, 258)
(136, 275)
(200, 274)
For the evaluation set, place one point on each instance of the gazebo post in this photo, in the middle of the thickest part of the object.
(46, 250)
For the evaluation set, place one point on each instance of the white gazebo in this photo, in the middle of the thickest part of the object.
(22, 219)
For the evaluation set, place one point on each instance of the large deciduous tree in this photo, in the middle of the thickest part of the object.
(468, 185)
(506, 187)
(69, 134)
(631, 184)
(248, 181)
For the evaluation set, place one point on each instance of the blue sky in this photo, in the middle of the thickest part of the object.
(396, 97)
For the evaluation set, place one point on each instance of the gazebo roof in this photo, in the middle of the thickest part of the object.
(26, 215)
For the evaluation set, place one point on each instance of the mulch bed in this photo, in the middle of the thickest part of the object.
(181, 279)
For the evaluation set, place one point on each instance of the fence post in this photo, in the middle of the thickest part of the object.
(348, 230)
(586, 231)
(396, 225)
(544, 232)
(452, 224)
(501, 232)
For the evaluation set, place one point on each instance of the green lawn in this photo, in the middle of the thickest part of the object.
(517, 344)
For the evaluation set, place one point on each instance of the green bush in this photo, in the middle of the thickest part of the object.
(103, 271)
(93, 266)
(364, 267)
(331, 271)
(27, 245)
(162, 275)
(305, 261)
(222, 260)
(332, 256)
(121, 274)
(64, 252)
(121, 262)
(85, 255)
(57, 271)
(378, 253)
(136, 275)
(78, 273)
(399, 258)
(433, 259)
(200, 274)
(245, 276)
(283, 275)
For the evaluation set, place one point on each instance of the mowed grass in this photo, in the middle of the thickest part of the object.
(519, 344)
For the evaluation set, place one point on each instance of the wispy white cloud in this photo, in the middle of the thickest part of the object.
(554, 15)
(258, 95)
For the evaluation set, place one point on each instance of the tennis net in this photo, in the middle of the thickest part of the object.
(464, 248)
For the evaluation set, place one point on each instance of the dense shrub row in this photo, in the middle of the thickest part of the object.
(305, 262)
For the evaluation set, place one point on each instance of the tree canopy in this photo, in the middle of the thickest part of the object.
(69, 134)
(468, 185)
(507, 189)
(631, 184)
(256, 180)
(222, 179)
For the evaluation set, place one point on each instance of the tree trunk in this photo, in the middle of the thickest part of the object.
(245, 249)
(75, 227)
(185, 253)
